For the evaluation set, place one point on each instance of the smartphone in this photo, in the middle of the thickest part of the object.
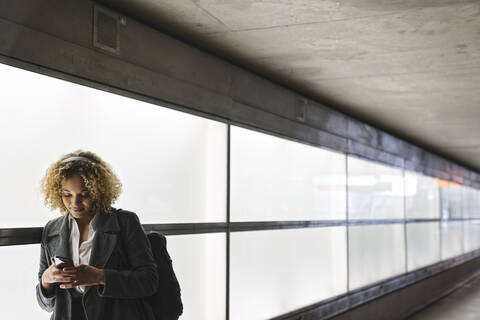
(63, 262)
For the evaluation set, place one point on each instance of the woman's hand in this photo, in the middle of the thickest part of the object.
(83, 275)
(53, 275)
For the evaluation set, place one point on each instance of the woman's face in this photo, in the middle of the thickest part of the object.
(76, 198)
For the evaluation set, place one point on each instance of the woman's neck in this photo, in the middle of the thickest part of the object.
(84, 221)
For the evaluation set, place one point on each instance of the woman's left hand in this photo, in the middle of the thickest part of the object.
(83, 275)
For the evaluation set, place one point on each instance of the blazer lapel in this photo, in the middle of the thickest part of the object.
(58, 238)
(106, 237)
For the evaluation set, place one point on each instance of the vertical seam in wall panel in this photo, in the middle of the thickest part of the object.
(405, 219)
(346, 221)
(462, 202)
(441, 196)
(227, 295)
(227, 282)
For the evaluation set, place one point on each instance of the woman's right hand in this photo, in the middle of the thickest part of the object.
(52, 275)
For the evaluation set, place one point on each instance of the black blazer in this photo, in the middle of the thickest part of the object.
(121, 248)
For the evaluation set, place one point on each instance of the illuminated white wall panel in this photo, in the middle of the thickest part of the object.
(471, 235)
(199, 262)
(277, 179)
(422, 197)
(475, 201)
(444, 201)
(17, 291)
(455, 200)
(375, 253)
(451, 238)
(273, 272)
(172, 165)
(375, 191)
(423, 244)
(469, 202)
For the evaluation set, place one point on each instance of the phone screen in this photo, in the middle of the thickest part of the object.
(63, 262)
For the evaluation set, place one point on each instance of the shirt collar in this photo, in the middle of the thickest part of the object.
(92, 225)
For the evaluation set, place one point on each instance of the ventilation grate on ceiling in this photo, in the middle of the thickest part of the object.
(106, 27)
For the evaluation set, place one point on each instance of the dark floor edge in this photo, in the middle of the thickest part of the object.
(442, 296)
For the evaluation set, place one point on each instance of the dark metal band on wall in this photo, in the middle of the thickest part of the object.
(18, 236)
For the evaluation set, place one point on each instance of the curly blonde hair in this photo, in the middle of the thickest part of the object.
(101, 182)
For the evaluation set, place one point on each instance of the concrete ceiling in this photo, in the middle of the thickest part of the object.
(410, 67)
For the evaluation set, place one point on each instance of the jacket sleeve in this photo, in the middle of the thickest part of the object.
(45, 301)
(141, 280)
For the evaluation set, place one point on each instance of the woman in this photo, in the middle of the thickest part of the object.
(113, 267)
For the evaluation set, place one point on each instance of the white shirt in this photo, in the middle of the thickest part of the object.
(80, 254)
